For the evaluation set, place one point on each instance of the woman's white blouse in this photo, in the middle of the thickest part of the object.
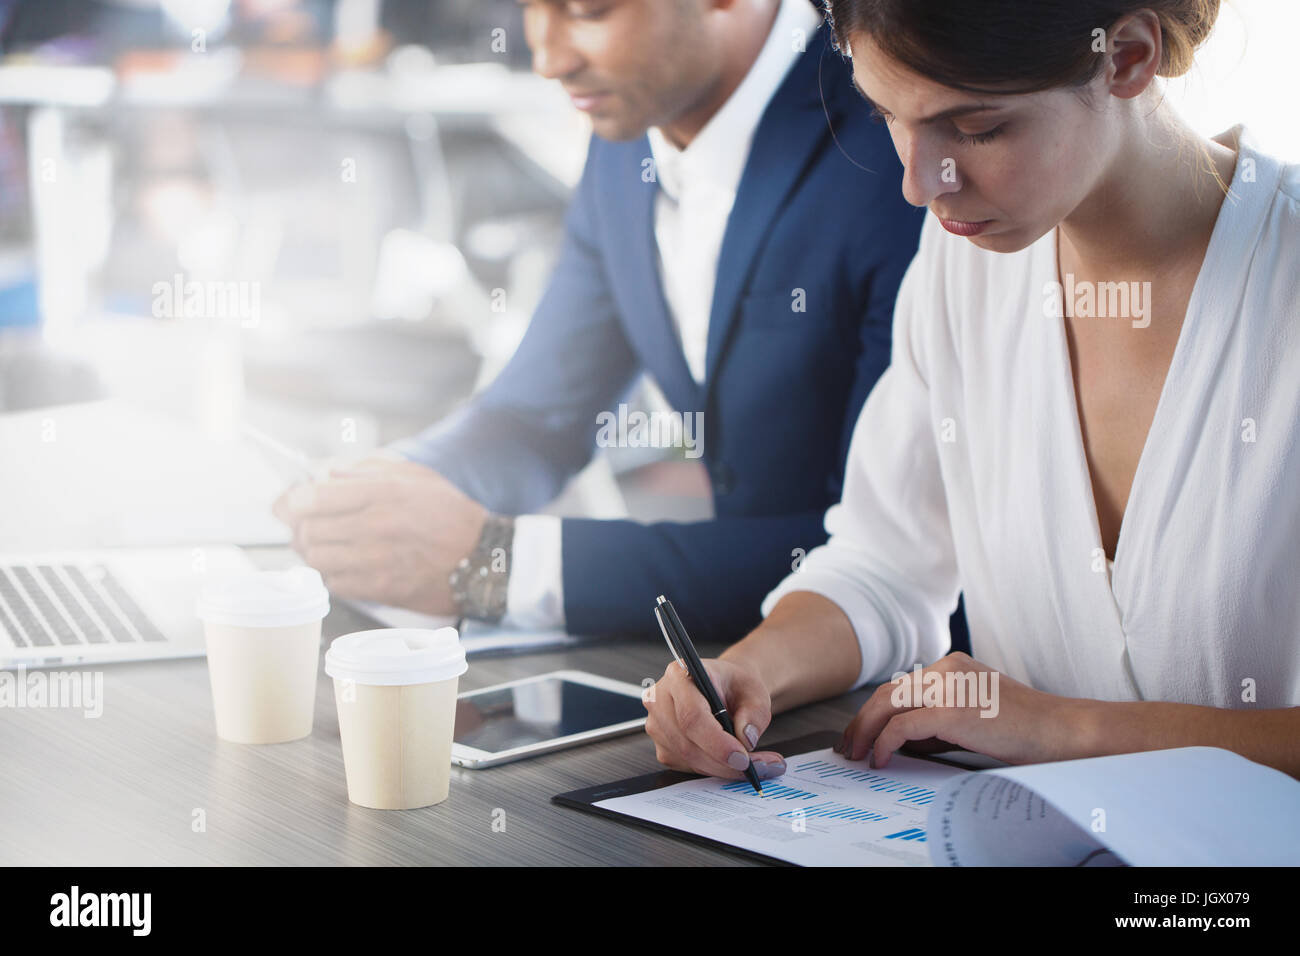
(967, 472)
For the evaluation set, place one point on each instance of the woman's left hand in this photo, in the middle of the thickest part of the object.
(959, 703)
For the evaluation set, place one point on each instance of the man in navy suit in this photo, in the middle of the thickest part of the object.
(739, 232)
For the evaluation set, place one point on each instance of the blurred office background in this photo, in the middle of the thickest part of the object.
(378, 184)
(378, 169)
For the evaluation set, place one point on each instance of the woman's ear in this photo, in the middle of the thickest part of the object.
(1134, 49)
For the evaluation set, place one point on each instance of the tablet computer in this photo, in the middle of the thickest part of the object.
(535, 715)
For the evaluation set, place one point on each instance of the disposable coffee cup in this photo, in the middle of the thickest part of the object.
(262, 630)
(395, 690)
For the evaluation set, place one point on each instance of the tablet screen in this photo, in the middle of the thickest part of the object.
(538, 711)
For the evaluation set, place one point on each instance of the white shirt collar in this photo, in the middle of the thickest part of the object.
(718, 153)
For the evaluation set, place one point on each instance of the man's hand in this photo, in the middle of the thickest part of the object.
(383, 530)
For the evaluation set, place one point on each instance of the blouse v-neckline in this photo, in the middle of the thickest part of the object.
(1207, 288)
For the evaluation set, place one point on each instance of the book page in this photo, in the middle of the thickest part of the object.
(1185, 806)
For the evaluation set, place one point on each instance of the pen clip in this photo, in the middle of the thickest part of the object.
(663, 626)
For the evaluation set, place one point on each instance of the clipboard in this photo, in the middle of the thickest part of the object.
(586, 798)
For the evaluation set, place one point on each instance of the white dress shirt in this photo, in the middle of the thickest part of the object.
(967, 470)
(697, 188)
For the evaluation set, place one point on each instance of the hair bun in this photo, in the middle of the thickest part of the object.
(1185, 24)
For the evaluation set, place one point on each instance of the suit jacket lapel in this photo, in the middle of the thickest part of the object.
(792, 128)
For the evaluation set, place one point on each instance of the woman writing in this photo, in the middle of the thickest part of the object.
(1089, 425)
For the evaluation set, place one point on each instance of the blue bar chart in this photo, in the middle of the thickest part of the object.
(916, 796)
(771, 791)
(833, 811)
(827, 810)
(916, 833)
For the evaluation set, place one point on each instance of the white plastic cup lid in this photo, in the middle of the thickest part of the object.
(264, 598)
(397, 656)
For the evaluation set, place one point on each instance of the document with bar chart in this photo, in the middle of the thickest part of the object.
(825, 810)
(1185, 806)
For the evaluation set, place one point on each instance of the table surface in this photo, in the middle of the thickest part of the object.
(125, 788)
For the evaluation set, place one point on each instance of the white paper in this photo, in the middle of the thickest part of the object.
(824, 811)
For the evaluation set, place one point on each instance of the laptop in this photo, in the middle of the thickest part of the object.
(105, 606)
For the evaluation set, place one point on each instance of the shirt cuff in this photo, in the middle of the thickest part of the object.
(535, 594)
(869, 626)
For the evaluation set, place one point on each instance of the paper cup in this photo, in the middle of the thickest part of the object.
(395, 690)
(262, 630)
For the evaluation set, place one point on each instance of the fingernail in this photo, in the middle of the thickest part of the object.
(302, 497)
(738, 760)
(766, 770)
(751, 734)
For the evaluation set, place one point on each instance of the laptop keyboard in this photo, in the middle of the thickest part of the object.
(49, 605)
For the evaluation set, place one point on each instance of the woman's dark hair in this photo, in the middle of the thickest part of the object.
(1013, 46)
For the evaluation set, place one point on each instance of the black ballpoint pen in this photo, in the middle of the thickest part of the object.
(680, 644)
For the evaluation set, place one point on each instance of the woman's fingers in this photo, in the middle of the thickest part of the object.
(922, 724)
(939, 687)
(868, 722)
(750, 707)
(687, 734)
(705, 736)
(674, 740)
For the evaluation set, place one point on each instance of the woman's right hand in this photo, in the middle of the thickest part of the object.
(688, 737)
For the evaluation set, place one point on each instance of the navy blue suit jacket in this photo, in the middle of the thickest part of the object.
(783, 387)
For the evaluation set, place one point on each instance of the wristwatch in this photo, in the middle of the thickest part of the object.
(480, 580)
